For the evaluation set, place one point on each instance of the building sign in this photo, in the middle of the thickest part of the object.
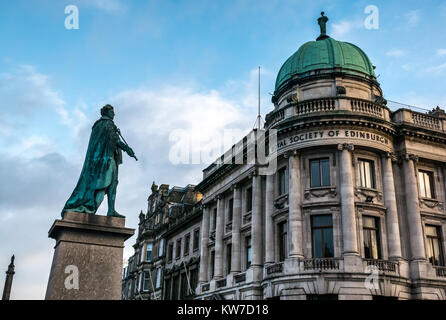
(331, 134)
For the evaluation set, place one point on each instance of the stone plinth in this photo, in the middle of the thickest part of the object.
(93, 246)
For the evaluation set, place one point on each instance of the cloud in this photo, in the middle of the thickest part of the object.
(441, 52)
(412, 17)
(38, 177)
(109, 6)
(341, 29)
(439, 69)
(396, 53)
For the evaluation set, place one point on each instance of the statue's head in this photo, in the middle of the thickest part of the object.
(108, 111)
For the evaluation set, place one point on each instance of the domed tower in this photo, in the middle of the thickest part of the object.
(326, 68)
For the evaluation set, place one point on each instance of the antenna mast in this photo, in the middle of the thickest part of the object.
(258, 123)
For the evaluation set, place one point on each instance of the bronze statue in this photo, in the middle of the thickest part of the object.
(99, 174)
(322, 22)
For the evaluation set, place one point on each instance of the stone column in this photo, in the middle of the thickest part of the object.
(295, 207)
(219, 231)
(8, 282)
(416, 237)
(204, 252)
(269, 223)
(87, 262)
(256, 226)
(393, 229)
(349, 232)
(236, 224)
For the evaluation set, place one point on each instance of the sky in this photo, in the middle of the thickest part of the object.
(170, 69)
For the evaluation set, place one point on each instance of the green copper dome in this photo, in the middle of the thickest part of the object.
(327, 55)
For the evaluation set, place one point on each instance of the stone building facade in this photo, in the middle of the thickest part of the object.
(165, 262)
(355, 208)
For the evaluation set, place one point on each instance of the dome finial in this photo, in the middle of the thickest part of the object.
(322, 22)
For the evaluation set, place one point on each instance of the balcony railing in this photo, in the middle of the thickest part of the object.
(426, 121)
(205, 287)
(383, 265)
(362, 106)
(241, 277)
(220, 283)
(440, 271)
(274, 268)
(317, 105)
(321, 264)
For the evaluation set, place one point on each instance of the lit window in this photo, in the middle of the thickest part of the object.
(366, 173)
(149, 252)
(161, 248)
(320, 173)
(425, 179)
(248, 252)
(146, 281)
(322, 227)
(434, 247)
(158, 277)
(371, 237)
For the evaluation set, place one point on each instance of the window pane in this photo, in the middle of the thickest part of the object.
(328, 243)
(315, 176)
(374, 244)
(431, 231)
(317, 243)
(368, 222)
(427, 185)
(367, 245)
(322, 221)
(436, 252)
(421, 183)
(325, 169)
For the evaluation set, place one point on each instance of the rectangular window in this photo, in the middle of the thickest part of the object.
(178, 249)
(434, 247)
(320, 172)
(149, 252)
(196, 239)
(175, 287)
(282, 181)
(212, 264)
(283, 228)
(426, 182)
(322, 233)
(161, 248)
(249, 199)
(158, 277)
(366, 170)
(370, 226)
(170, 252)
(186, 244)
(167, 295)
(230, 209)
(248, 252)
(146, 282)
(228, 258)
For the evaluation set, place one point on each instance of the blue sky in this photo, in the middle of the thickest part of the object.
(165, 65)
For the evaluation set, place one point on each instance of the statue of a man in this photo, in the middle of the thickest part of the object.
(322, 22)
(99, 174)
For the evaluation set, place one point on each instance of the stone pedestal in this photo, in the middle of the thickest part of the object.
(88, 257)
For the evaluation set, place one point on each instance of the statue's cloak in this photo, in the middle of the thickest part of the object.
(100, 167)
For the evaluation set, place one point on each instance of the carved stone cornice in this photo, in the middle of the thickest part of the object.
(346, 146)
(431, 203)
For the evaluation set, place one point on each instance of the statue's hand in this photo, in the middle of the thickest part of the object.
(131, 153)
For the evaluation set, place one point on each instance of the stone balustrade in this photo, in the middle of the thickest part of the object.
(418, 119)
(274, 268)
(383, 265)
(321, 264)
(220, 283)
(367, 107)
(440, 271)
(240, 277)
